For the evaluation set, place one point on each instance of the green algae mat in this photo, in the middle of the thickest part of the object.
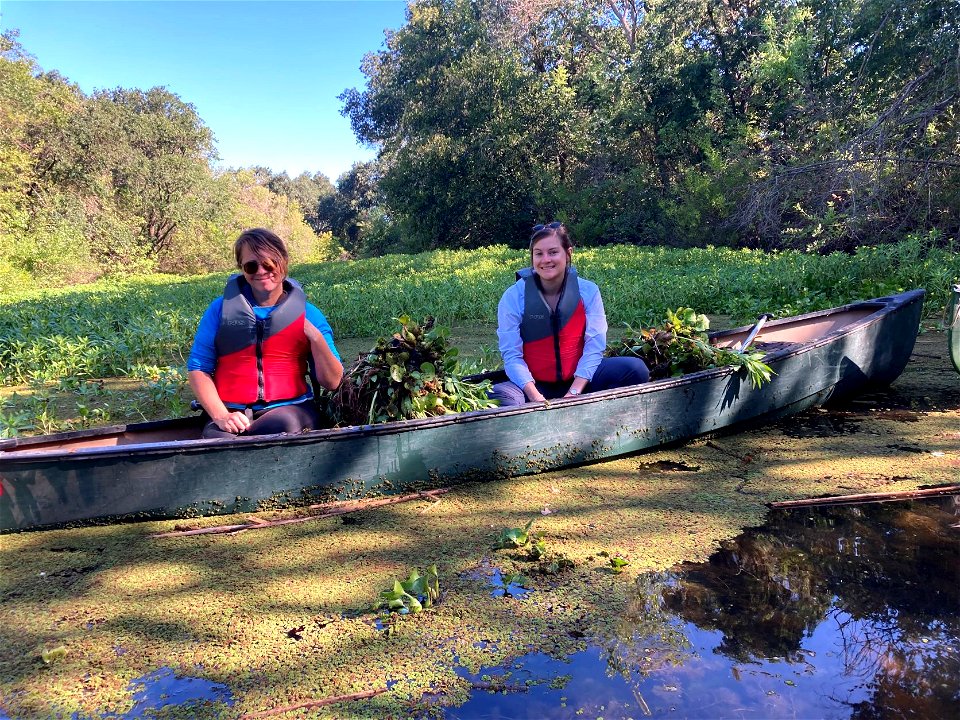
(282, 616)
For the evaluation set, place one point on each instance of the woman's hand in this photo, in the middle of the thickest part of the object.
(532, 393)
(576, 387)
(232, 421)
(235, 422)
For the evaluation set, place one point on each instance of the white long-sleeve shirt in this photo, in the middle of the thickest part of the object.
(510, 312)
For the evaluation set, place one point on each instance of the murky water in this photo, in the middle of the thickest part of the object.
(509, 585)
(840, 612)
(164, 689)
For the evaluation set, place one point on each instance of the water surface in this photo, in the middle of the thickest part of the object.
(839, 612)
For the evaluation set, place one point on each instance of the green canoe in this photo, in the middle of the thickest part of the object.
(164, 469)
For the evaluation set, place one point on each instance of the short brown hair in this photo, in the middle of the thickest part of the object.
(263, 243)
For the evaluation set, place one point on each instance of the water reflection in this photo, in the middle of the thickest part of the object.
(163, 689)
(841, 612)
(501, 588)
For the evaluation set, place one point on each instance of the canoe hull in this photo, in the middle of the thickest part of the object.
(206, 477)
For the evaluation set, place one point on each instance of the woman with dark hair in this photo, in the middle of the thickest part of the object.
(256, 344)
(552, 330)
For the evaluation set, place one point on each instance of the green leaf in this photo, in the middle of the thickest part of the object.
(514, 537)
(53, 654)
(618, 564)
(438, 332)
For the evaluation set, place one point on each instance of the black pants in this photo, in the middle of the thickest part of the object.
(289, 419)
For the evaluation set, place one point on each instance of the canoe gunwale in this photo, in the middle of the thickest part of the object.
(17, 452)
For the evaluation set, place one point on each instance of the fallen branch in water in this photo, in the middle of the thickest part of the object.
(341, 508)
(313, 704)
(869, 497)
(742, 458)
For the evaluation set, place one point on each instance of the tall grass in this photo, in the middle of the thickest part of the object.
(111, 328)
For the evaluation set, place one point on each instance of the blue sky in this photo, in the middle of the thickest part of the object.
(264, 76)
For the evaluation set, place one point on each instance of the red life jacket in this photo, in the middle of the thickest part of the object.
(552, 340)
(261, 361)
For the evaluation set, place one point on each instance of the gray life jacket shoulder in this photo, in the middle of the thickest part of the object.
(538, 322)
(238, 322)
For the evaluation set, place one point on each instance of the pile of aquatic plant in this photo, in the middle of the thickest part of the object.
(680, 345)
(412, 374)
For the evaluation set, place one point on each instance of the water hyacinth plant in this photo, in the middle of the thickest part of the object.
(411, 595)
(681, 345)
(412, 374)
(511, 582)
(513, 537)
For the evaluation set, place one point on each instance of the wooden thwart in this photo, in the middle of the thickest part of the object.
(313, 704)
(869, 497)
(333, 509)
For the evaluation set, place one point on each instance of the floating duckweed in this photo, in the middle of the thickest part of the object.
(225, 620)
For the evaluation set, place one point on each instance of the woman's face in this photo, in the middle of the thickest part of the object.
(265, 277)
(549, 258)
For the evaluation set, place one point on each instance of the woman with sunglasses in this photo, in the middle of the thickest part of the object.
(255, 345)
(552, 329)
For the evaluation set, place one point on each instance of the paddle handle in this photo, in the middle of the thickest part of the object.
(753, 332)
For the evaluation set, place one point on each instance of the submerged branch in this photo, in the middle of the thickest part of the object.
(349, 506)
(868, 497)
(313, 704)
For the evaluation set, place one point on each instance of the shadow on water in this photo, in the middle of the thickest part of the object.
(820, 424)
(164, 689)
(832, 612)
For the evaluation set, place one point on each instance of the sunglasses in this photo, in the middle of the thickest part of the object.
(541, 227)
(250, 267)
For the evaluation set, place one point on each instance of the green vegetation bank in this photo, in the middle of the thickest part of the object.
(59, 345)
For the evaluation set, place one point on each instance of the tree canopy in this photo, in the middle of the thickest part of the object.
(126, 180)
(820, 124)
